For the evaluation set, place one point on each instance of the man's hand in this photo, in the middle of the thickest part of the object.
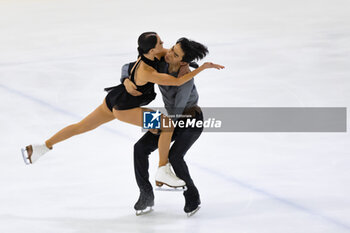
(184, 70)
(131, 88)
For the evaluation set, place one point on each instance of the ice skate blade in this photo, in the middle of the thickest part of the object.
(145, 211)
(171, 189)
(193, 212)
(25, 156)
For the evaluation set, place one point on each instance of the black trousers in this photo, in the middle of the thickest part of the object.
(184, 139)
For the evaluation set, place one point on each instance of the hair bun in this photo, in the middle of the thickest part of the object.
(193, 64)
(140, 50)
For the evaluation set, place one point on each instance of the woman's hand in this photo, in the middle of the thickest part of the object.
(131, 88)
(185, 69)
(208, 65)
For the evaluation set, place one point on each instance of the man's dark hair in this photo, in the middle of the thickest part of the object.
(146, 42)
(192, 49)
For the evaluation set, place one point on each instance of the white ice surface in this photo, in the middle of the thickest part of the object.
(57, 56)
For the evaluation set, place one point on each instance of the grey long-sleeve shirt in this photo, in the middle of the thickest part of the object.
(176, 98)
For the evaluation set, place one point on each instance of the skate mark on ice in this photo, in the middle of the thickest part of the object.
(60, 110)
(270, 195)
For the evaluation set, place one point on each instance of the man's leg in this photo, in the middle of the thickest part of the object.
(142, 149)
(184, 139)
(182, 144)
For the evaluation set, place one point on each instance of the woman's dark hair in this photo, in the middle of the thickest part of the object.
(192, 49)
(146, 42)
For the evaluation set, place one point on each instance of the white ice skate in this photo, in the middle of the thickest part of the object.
(33, 152)
(165, 176)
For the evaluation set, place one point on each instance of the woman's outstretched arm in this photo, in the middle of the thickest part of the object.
(168, 80)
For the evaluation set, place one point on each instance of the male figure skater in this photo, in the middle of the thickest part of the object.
(178, 100)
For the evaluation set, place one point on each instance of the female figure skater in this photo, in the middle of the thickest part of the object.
(125, 107)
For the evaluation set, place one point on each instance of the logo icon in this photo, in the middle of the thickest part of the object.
(151, 120)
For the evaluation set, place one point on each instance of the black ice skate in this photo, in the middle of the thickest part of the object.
(192, 202)
(145, 203)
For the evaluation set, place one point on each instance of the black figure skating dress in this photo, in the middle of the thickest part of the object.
(120, 99)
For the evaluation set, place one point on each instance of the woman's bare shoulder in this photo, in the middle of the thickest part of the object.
(144, 72)
(146, 68)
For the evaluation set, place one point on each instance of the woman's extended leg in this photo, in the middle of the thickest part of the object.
(134, 116)
(98, 117)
